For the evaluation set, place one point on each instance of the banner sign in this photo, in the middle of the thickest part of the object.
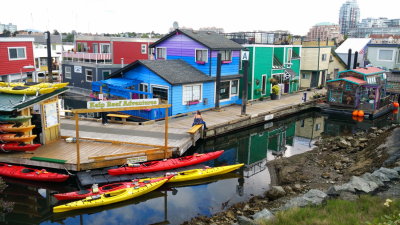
(122, 103)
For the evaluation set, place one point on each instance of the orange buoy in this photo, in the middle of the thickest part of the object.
(360, 113)
(360, 119)
(355, 113)
(396, 104)
(355, 118)
(395, 111)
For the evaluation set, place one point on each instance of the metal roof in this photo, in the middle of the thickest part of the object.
(351, 80)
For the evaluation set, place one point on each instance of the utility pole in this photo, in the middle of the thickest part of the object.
(218, 82)
(49, 59)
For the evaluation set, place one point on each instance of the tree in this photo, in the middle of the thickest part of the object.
(6, 33)
(55, 32)
(68, 38)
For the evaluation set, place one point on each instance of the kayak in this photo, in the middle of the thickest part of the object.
(21, 90)
(34, 84)
(104, 189)
(166, 164)
(202, 173)
(10, 118)
(14, 128)
(15, 146)
(111, 197)
(15, 137)
(22, 172)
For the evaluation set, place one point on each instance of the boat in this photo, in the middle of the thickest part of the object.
(195, 174)
(15, 137)
(166, 164)
(14, 128)
(11, 118)
(33, 84)
(23, 90)
(22, 172)
(16, 146)
(75, 195)
(111, 197)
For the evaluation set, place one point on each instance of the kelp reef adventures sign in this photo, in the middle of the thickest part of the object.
(122, 103)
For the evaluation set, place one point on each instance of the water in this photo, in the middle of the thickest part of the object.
(175, 204)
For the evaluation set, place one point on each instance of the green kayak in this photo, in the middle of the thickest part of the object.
(10, 118)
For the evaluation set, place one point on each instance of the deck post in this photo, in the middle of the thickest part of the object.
(78, 158)
(166, 133)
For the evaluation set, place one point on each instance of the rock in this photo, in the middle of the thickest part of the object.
(349, 138)
(348, 196)
(288, 189)
(370, 177)
(380, 176)
(343, 143)
(380, 131)
(372, 135)
(362, 140)
(230, 214)
(390, 173)
(246, 207)
(312, 197)
(265, 214)
(288, 175)
(275, 192)
(373, 128)
(297, 188)
(397, 169)
(345, 160)
(358, 183)
(338, 166)
(242, 220)
(325, 175)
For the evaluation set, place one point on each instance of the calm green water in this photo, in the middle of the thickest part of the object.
(175, 204)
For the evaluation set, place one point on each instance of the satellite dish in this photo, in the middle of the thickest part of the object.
(175, 25)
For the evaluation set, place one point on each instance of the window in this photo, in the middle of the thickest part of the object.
(145, 88)
(144, 49)
(323, 57)
(161, 53)
(95, 47)
(289, 56)
(264, 84)
(226, 55)
(89, 75)
(317, 127)
(16, 53)
(68, 72)
(160, 93)
(105, 48)
(235, 87)
(385, 55)
(201, 55)
(335, 73)
(305, 76)
(224, 90)
(106, 73)
(191, 94)
(349, 87)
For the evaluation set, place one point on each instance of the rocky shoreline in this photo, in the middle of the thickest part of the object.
(328, 169)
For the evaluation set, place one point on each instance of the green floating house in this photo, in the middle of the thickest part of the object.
(281, 62)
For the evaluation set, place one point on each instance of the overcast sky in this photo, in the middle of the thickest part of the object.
(105, 16)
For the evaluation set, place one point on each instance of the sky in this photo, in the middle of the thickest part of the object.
(105, 16)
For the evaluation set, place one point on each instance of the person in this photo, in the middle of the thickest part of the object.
(198, 119)
(104, 118)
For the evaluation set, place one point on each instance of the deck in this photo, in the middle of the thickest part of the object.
(105, 146)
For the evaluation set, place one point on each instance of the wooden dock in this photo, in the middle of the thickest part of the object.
(111, 145)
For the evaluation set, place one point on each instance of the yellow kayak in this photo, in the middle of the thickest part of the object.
(21, 90)
(33, 84)
(203, 173)
(112, 197)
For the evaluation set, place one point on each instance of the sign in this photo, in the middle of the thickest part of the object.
(268, 125)
(122, 103)
(78, 69)
(51, 114)
(101, 97)
(269, 117)
(136, 159)
(245, 55)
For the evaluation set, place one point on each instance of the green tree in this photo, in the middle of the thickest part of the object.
(55, 32)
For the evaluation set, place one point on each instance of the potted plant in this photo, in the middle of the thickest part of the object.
(275, 92)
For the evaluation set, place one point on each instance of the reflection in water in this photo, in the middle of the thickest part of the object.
(176, 203)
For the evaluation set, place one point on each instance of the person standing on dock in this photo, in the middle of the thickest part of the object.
(198, 119)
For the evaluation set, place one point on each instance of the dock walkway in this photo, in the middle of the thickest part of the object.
(225, 120)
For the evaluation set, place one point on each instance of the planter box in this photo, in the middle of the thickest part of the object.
(201, 62)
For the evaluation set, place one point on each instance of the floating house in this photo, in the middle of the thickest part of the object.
(183, 74)
(361, 89)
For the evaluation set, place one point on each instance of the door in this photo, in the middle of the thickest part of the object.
(323, 78)
(314, 79)
(95, 47)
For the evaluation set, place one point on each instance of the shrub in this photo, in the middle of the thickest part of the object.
(275, 89)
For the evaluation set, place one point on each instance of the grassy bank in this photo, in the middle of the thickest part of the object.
(366, 210)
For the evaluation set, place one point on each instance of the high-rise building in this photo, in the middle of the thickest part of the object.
(325, 31)
(10, 27)
(349, 16)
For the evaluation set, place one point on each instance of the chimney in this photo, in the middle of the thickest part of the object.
(349, 60)
(355, 60)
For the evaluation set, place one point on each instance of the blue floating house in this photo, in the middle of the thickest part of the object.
(182, 74)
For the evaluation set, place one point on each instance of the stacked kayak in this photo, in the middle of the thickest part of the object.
(16, 146)
(33, 84)
(166, 164)
(22, 172)
(16, 138)
(15, 128)
(112, 197)
(11, 118)
(30, 88)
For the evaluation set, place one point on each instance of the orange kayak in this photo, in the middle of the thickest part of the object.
(12, 128)
(15, 137)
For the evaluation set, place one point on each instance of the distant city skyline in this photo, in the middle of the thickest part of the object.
(158, 15)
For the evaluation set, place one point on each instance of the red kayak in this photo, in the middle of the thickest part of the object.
(15, 146)
(75, 195)
(166, 164)
(22, 172)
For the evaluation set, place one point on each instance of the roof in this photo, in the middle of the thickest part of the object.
(368, 70)
(39, 39)
(15, 39)
(108, 38)
(11, 102)
(384, 45)
(351, 80)
(325, 24)
(355, 44)
(173, 71)
(209, 39)
(340, 60)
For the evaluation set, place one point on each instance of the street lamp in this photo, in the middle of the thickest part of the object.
(26, 67)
